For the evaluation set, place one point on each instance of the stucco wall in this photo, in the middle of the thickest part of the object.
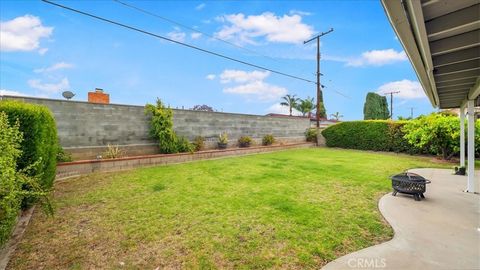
(90, 127)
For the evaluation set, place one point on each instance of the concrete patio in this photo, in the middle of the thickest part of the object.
(440, 232)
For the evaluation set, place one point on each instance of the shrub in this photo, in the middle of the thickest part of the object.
(311, 135)
(439, 133)
(268, 139)
(161, 128)
(10, 138)
(63, 156)
(363, 135)
(199, 143)
(39, 145)
(113, 151)
(244, 141)
(223, 138)
(12, 180)
(183, 145)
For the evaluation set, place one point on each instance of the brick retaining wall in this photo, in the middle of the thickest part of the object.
(82, 167)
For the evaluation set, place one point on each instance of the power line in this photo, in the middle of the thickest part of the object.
(191, 28)
(177, 42)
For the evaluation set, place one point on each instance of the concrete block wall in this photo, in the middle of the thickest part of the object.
(86, 128)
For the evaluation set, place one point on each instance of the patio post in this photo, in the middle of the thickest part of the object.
(471, 186)
(462, 135)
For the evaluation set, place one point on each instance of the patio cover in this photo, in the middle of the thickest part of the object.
(442, 41)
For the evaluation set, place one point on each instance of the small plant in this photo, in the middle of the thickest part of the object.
(244, 141)
(113, 151)
(311, 135)
(199, 143)
(183, 145)
(63, 156)
(222, 140)
(268, 139)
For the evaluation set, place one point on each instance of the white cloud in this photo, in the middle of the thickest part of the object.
(408, 89)
(23, 34)
(200, 7)
(195, 35)
(258, 91)
(211, 77)
(43, 51)
(299, 12)
(277, 108)
(56, 66)
(245, 29)
(177, 35)
(240, 76)
(50, 88)
(4, 92)
(378, 58)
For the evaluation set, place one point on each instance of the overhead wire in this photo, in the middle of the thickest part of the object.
(178, 42)
(191, 28)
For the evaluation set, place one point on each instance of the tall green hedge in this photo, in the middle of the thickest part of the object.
(39, 138)
(10, 138)
(376, 135)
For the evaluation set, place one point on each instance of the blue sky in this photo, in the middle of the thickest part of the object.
(46, 50)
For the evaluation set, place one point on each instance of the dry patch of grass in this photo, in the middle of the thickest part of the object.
(293, 210)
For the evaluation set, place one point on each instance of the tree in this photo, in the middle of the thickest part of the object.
(290, 101)
(305, 106)
(376, 107)
(203, 107)
(323, 112)
(336, 116)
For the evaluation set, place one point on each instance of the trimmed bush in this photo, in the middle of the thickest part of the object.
(10, 138)
(39, 145)
(16, 186)
(363, 135)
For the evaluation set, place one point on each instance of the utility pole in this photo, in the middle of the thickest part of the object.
(391, 102)
(319, 86)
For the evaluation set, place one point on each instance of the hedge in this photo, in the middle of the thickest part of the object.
(39, 143)
(10, 138)
(376, 135)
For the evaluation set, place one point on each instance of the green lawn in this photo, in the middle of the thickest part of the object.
(294, 209)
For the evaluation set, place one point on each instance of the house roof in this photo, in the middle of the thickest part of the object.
(442, 40)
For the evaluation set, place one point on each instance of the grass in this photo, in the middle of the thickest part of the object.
(294, 209)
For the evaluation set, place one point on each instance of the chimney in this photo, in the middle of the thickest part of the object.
(98, 97)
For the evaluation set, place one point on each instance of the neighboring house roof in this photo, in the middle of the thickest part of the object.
(442, 40)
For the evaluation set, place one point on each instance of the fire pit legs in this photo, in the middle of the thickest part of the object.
(394, 193)
(417, 197)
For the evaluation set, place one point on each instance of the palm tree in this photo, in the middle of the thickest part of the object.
(290, 101)
(305, 106)
(336, 116)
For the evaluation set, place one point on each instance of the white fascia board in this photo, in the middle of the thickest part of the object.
(400, 24)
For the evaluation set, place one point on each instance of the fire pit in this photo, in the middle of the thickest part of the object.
(409, 183)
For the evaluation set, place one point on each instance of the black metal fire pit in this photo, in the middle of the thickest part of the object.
(409, 183)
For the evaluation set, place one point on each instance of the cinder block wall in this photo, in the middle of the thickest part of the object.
(84, 129)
